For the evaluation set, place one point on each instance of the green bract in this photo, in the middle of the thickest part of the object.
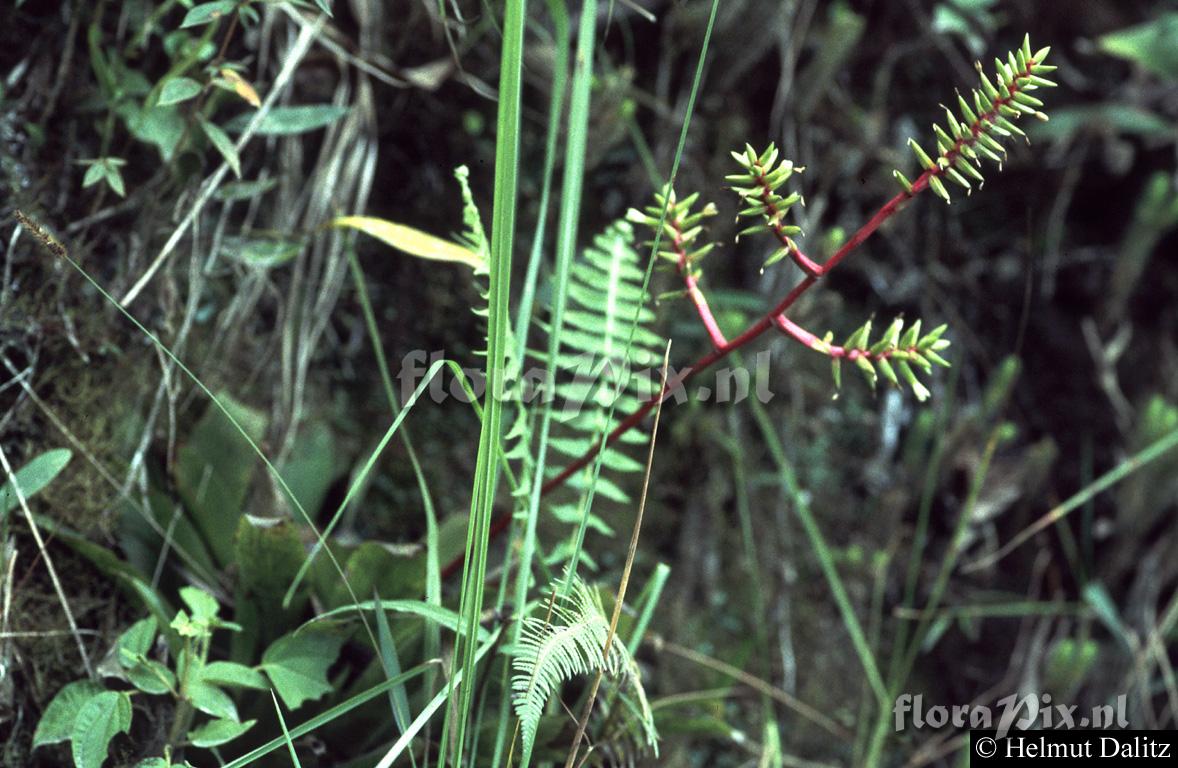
(987, 115)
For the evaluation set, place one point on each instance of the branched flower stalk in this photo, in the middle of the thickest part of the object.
(985, 118)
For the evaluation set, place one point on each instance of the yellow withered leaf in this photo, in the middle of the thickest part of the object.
(242, 87)
(412, 241)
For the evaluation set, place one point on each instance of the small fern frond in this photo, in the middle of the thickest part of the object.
(982, 120)
(473, 236)
(571, 644)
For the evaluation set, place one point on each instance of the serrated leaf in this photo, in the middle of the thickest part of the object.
(218, 731)
(150, 676)
(223, 144)
(297, 665)
(99, 720)
(178, 89)
(57, 722)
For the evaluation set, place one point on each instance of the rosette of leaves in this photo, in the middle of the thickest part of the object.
(984, 117)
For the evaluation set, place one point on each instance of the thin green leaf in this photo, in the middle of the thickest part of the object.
(32, 477)
(223, 144)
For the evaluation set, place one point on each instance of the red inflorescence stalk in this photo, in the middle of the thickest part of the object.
(691, 282)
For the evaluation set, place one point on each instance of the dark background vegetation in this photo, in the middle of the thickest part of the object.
(1057, 279)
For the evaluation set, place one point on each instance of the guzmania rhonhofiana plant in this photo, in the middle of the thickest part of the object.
(974, 132)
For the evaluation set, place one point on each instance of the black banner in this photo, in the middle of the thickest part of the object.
(1042, 748)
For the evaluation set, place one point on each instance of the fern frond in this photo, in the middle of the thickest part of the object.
(605, 288)
(473, 236)
(983, 118)
(517, 438)
(571, 644)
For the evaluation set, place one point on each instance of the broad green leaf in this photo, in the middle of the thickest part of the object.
(32, 477)
(57, 722)
(160, 126)
(217, 732)
(233, 675)
(327, 716)
(1105, 117)
(150, 676)
(207, 12)
(411, 241)
(311, 468)
(290, 121)
(136, 642)
(223, 144)
(297, 665)
(268, 554)
(178, 89)
(204, 606)
(212, 700)
(214, 469)
(1153, 45)
(100, 718)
